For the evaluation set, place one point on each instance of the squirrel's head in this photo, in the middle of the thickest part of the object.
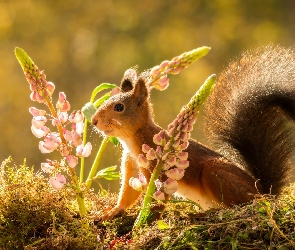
(124, 113)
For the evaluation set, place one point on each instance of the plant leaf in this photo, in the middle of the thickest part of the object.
(99, 88)
(162, 225)
(100, 101)
(108, 174)
(114, 140)
(88, 111)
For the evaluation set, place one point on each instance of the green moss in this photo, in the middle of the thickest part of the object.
(34, 216)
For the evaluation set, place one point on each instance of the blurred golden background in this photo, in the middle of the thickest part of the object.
(81, 44)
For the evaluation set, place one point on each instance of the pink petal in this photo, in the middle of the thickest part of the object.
(50, 87)
(62, 97)
(76, 116)
(182, 164)
(142, 179)
(35, 96)
(142, 161)
(145, 148)
(37, 112)
(80, 127)
(63, 117)
(40, 132)
(87, 149)
(182, 155)
(135, 183)
(155, 71)
(57, 183)
(175, 174)
(39, 121)
(171, 161)
(44, 149)
(77, 139)
(72, 161)
(151, 155)
(159, 195)
(184, 145)
(61, 178)
(46, 167)
(64, 151)
(170, 186)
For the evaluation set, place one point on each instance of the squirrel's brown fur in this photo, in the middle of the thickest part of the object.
(246, 119)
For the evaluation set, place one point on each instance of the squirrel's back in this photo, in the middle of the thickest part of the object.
(247, 114)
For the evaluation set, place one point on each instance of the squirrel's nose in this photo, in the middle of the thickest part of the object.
(94, 121)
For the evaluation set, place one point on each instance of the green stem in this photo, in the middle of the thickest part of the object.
(96, 162)
(82, 166)
(81, 203)
(146, 207)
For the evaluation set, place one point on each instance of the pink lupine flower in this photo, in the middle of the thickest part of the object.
(37, 112)
(58, 182)
(171, 162)
(63, 149)
(182, 155)
(47, 146)
(46, 167)
(76, 116)
(185, 137)
(63, 105)
(56, 122)
(166, 166)
(176, 143)
(170, 186)
(50, 88)
(142, 178)
(63, 117)
(39, 121)
(160, 138)
(79, 127)
(159, 195)
(40, 132)
(145, 148)
(72, 160)
(175, 173)
(162, 84)
(77, 139)
(68, 135)
(135, 183)
(159, 151)
(184, 145)
(158, 184)
(35, 96)
(182, 164)
(151, 155)
(84, 151)
(142, 161)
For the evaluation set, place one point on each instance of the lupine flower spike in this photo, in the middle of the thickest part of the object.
(159, 74)
(172, 160)
(63, 140)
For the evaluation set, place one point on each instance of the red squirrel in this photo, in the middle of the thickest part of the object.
(246, 119)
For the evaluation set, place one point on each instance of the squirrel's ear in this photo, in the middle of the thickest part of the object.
(140, 91)
(130, 76)
(126, 85)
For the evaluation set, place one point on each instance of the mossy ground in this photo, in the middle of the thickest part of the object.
(34, 216)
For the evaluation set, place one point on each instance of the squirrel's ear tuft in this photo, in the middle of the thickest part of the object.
(140, 91)
(126, 85)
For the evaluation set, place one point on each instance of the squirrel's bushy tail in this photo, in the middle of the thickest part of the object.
(248, 114)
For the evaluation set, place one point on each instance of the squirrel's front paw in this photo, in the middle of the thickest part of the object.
(110, 213)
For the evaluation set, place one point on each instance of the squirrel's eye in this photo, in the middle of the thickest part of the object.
(119, 107)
